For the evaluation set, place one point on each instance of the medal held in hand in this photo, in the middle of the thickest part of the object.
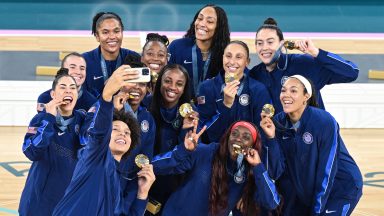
(290, 45)
(229, 77)
(141, 160)
(185, 109)
(237, 149)
(269, 110)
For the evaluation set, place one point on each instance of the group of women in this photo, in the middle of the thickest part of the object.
(224, 155)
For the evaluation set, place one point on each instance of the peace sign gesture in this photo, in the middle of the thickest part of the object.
(192, 137)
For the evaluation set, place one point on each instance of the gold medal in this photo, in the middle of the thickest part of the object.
(154, 76)
(229, 77)
(237, 149)
(141, 160)
(290, 45)
(269, 110)
(185, 109)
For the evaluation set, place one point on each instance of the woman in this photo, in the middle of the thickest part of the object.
(75, 65)
(108, 29)
(154, 56)
(129, 99)
(221, 103)
(320, 66)
(95, 188)
(170, 92)
(201, 49)
(219, 175)
(314, 157)
(51, 143)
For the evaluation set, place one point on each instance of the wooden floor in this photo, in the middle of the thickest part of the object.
(86, 43)
(365, 145)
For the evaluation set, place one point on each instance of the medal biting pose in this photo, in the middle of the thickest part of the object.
(95, 188)
(52, 142)
(219, 174)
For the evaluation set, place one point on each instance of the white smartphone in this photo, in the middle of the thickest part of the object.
(144, 72)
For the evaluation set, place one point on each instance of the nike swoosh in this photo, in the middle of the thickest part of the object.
(187, 62)
(284, 137)
(60, 133)
(96, 78)
(329, 212)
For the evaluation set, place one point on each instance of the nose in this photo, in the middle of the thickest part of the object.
(112, 34)
(231, 61)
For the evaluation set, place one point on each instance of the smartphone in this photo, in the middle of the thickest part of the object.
(144, 75)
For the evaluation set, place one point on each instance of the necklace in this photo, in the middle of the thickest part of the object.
(176, 122)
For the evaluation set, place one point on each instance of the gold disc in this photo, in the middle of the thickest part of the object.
(236, 148)
(185, 109)
(290, 45)
(229, 77)
(141, 160)
(269, 110)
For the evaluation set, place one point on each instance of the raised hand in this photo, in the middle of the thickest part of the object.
(51, 106)
(145, 181)
(230, 91)
(191, 138)
(118, 80)
(267, 125)
(252, 156)
(307, 46)
(190, 119)
(119, 100)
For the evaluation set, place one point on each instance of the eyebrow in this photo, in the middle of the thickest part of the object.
(208, 17)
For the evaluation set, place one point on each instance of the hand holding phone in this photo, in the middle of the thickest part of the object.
(144, 75)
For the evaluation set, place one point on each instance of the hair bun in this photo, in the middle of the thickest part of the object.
(156, 37)
(62, 71)
(270, 21)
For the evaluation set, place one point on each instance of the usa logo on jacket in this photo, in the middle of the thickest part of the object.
(307, 138)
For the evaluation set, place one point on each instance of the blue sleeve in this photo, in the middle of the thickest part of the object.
(38, 137)
(327, 164)
(171, 51)
(98, 133)
(335, 69)
(212, 111)
(273, 157)
(265, 194)
(138, 207)
(176, 161)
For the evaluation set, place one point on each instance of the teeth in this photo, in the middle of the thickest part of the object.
(288, 102)
(120, 141)
(232, 69)
(134, 95)
(267, 55)
(68, 98)
(154, 66)
(200, 31)
(171, 94)
(112, 43)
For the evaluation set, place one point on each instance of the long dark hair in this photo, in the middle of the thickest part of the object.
(218, 196)
(157, 98)
(220, 39)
